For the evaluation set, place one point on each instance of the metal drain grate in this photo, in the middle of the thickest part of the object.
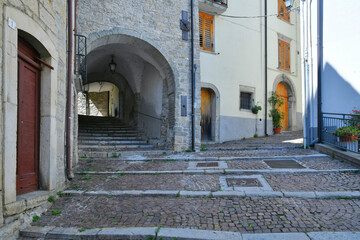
(208, 164)
(243, 182)
(284, 164)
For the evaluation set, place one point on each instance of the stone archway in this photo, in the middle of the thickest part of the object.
(148, 75)
(291, 92)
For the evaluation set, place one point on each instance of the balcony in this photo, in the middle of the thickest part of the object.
(213, 6)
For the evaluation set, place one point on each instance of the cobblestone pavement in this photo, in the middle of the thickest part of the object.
(315, 182)
(172, 165)
(147, 182)
(225, 214)
(261, 214)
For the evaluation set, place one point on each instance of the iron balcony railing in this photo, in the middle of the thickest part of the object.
(341, 130)
(81, 52)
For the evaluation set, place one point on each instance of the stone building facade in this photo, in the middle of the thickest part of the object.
(33, 37)
(145, 40)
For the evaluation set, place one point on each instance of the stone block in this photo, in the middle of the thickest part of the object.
(15, 207)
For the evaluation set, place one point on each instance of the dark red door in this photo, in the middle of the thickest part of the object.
(28, 119)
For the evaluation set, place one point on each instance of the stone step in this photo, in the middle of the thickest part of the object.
(109, 133)
(117, 147)
(107, 138)
(110, 142)
(107, 130)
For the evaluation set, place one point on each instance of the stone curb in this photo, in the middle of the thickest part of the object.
(197, 158)
(243, 193)
(180, 234)
(227, 171)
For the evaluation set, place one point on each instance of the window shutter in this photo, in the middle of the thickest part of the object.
(287, 56)
(284, 55)
(283, 11)
(206, 28)
(281, 55)
(201, 30)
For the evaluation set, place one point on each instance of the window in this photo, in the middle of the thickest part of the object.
(283, 11)
(245, 100)
(206, 29)
(284, 55)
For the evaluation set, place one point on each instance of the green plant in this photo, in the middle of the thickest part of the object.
(51, 199)
(114, 155)
(60, 194)
(81, 229)
(202, 149)
(76, 186)
(189, 150)
(255, 109)
(276, 115)
(178, 194)
(54, 212)
(349, 131)
(35, 218)
(86, 178)
(83, 156)
(256, 136)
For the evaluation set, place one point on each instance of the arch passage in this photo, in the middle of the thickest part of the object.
(284, 109)
(28, 119)
(145, 81)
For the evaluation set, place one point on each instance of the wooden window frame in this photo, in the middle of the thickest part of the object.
(283, 11)
(206, 32)
(284, 55)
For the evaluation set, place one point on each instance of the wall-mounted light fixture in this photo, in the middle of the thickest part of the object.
(112, 64)
(289, 3)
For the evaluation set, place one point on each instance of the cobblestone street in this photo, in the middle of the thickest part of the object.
(248, 191)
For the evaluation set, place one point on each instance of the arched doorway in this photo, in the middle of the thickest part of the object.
(28, 122)
(284, 109)
(145, 81)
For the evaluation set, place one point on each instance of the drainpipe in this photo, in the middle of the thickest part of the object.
(320, 64)
(69, 89)
(192, 78)
(266, 63)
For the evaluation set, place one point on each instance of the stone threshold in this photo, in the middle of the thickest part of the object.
(52, 232)
(180, 157)
(220, 171)
(209, 194)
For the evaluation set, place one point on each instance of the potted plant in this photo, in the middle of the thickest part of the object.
(255, 109)
(276, 115)
(348, 133)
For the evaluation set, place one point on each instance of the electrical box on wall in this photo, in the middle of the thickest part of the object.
(183, 106)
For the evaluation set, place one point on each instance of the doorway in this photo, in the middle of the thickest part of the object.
(27, 170)
(206, 115)
(281, 91)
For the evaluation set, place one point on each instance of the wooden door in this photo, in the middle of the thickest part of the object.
(28, 119)
(284, 109)
(205, 114)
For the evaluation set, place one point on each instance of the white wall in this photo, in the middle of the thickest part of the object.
(341, 56)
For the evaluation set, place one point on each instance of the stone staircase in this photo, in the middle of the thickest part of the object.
(102, 137)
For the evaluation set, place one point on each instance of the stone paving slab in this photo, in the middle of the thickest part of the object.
(185, 234)
(315, 182)
(244, 214)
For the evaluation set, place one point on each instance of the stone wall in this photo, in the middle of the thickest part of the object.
(43, 24)
(156, 23)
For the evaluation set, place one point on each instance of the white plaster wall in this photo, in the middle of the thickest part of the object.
(114, 102)
(237, 60)
(341, 59)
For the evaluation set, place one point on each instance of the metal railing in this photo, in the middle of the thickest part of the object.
(341, 130)
(81, 52)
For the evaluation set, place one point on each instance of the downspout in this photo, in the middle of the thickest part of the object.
(69, 88)
(192, 78)
(320, 64)
(266, 66)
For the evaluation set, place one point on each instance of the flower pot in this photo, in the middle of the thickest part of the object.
(254, 111)
(277, 130)
(349, 138)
